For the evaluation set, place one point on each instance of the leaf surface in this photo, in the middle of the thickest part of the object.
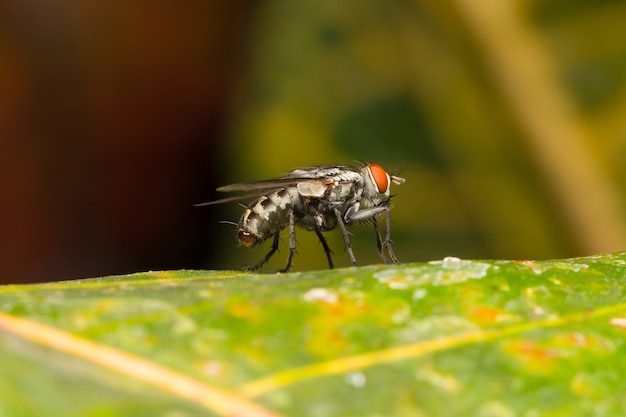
(449, 338)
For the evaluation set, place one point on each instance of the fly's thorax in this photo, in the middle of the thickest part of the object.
(339, 193)
(266, 216)
(342, 190)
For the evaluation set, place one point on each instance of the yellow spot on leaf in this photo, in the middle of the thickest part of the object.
(532, 356)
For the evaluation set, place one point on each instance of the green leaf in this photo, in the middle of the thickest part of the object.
(444, 338)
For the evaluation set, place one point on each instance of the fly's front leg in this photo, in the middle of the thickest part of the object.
(387, 242)
(292, 242)
(379, 242)
(326, 248)
(354, 214)
(266, 258)
(346, 239)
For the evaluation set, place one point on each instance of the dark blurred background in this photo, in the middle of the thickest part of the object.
(508, 120)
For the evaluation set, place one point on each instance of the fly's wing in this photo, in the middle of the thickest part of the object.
(231, 199)
(322, 174)
(262, 186)
(255, 189)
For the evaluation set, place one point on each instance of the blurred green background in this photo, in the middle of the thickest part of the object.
(508, 120)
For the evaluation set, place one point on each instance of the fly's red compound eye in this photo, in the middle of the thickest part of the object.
(379, 177)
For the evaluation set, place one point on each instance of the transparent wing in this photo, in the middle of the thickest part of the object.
(259, 188)
(240, 197)
(259, 185)
(321, 174)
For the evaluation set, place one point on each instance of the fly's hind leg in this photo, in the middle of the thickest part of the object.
(326, 248)
(266, 258)
(292, 242)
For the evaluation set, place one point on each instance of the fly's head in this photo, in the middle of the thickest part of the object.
(376, 184)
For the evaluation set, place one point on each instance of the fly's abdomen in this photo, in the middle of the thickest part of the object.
(266, 216)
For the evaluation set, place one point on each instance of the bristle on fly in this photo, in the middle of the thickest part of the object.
(228, 222)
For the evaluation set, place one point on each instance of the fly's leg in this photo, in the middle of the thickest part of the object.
(266, 258)
(354, 214)
(346, 239)
(326, 248)
(379, 242)
(292, 242)
(387, 242)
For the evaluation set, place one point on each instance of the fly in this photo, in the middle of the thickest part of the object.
(318, 199)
